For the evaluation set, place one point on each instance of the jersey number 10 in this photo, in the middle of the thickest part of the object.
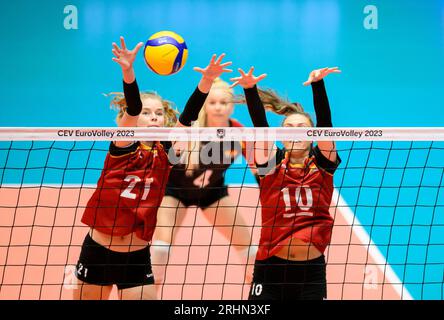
(297, 196)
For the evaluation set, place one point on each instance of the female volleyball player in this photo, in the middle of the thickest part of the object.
(201, 182)
(296, 188)
(122, 210)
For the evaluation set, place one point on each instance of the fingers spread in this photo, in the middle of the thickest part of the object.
(137, 48)
(213, 58)
(226, 64)
(219, 60)
(117, 54)
(198, 69)
(116, 47)
(262, 76)
(122, 43)
(234, 84)
(242, 72)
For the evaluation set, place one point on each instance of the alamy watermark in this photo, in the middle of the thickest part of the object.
(71, 20)
(371, 18)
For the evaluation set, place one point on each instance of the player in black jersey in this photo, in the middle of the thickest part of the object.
(200, 181)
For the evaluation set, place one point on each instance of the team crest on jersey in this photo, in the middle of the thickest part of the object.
(220, 133)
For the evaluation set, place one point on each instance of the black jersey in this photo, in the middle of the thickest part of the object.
(206, 181)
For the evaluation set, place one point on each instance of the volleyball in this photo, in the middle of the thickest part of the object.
(165, 53)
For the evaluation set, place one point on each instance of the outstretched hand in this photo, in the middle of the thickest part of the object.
(319, 74)
(123, 56)
(246, 80)
(215, 68)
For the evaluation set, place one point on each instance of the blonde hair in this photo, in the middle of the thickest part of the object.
(273, 102)
(118, 102)
(218, 83)
(192, 160)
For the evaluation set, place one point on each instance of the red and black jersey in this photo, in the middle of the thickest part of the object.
(209, 176)
(295, 201)
(129, 191)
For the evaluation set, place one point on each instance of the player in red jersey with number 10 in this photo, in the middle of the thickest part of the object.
(296, 189)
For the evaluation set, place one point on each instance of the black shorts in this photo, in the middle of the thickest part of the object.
(100, 266)
(280, 279)
(201, 199)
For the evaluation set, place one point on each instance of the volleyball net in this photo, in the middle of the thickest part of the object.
(388, 206)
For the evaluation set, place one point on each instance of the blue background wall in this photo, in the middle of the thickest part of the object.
(391, 76)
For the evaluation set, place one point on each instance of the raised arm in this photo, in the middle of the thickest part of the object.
(264, 150)
(197, 99)
(322, 108)
(192, 108)
(125, 58)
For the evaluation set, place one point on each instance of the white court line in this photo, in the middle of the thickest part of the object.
(373, 250)
(356, 226)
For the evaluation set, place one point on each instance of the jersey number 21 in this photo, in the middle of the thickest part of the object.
(133, 180)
